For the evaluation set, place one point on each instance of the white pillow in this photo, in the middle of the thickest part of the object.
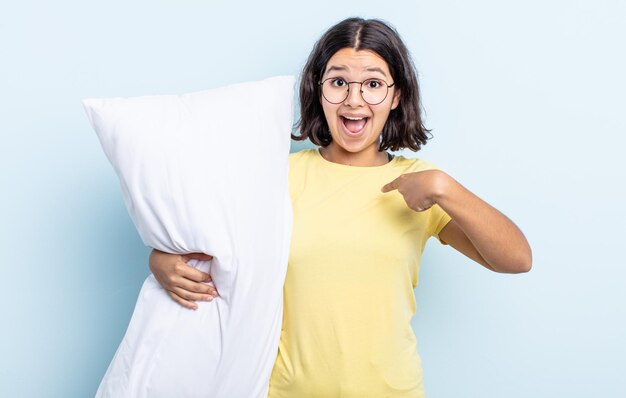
(204, 172)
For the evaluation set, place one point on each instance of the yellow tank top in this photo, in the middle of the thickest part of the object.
(353, 265)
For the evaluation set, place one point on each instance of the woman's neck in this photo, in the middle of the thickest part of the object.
(359, 159)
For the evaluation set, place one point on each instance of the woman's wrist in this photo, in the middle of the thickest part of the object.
(442, 186)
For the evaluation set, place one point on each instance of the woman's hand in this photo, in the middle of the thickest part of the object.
(477, 229)
(419, 189)
(184, 283)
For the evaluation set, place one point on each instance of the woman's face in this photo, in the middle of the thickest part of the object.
(355, 125)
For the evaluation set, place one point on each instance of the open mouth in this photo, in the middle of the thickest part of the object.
(354, 125)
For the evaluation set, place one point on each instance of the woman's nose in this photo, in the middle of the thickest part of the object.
(354, 97)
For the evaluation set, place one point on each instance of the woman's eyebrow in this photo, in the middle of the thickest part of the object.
(376, 69)
(334, 68)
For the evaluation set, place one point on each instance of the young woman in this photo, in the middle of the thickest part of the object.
(361, 220)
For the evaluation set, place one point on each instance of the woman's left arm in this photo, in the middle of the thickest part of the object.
(477, 229)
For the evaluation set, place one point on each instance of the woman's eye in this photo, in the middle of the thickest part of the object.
(374, 84)
(338, 82)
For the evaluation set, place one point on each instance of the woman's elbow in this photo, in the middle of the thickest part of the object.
(519, 264)
(522, 267)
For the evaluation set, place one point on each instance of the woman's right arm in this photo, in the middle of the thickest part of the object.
(184, 283)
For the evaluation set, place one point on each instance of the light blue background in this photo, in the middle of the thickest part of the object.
(523, 99)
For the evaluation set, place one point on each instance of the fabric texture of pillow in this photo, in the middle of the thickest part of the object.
(204, 172)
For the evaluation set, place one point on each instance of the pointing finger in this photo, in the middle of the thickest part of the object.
(391, 186)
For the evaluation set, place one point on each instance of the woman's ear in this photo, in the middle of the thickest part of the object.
(396, 99)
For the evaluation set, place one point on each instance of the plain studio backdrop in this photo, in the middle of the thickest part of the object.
(523, 99)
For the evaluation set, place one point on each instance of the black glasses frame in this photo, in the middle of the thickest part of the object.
(321, 83)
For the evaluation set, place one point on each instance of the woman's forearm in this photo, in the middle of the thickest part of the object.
(498, 240)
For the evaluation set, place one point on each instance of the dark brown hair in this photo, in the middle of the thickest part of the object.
(404, 127)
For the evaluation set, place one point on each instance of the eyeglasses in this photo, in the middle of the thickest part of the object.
(373, 91)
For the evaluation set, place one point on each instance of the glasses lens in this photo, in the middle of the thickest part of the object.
(335, 90)
(373, 91)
